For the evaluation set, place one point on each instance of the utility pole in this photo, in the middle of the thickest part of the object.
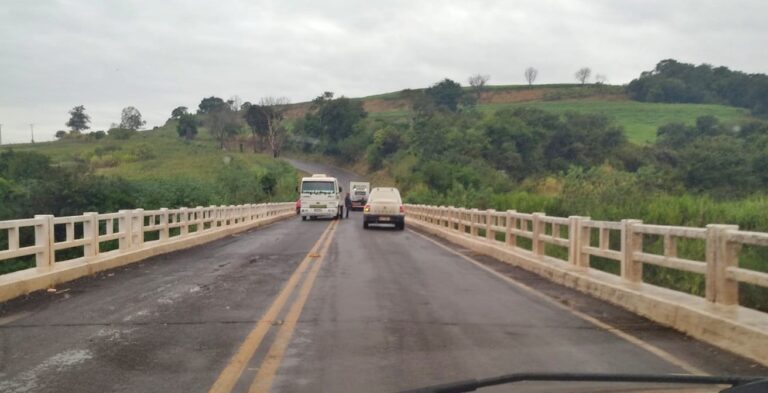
(32, 130)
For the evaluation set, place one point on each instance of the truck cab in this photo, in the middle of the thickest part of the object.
(358, 193)
(320, 197)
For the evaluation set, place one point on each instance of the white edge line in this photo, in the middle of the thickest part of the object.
(619, 333)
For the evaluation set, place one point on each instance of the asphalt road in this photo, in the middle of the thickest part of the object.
(325, 306)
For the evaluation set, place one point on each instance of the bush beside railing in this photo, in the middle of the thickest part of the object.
(719, 266)
(93, 235)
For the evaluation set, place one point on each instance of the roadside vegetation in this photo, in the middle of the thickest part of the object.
(707, 166)
(667, 149)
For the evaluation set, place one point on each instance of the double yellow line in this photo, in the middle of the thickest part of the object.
(264, 377)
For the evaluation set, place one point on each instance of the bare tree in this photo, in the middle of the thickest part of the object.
(477, 82)
(600, 79)
(582, 75)
(531, 74)
(222, 123)
(273, 110)
(235, 102)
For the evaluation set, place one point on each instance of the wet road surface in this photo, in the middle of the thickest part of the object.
(325, 306)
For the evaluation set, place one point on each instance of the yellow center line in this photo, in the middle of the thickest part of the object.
(231, 373)
(268, 369)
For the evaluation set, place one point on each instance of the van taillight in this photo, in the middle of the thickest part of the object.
(402, 209)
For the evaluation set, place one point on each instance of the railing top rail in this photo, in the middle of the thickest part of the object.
(522, 216)
(615, 225)
(677, 231)
(108, 216)
(27, 222)
(69, 219)
(747, 237)
(553, 220)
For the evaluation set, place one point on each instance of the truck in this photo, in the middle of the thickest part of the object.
(320, 197)
(359, 192)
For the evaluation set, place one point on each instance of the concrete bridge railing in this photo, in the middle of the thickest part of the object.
(65, 248)
(716, 317)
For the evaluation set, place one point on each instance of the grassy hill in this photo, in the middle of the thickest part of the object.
(639, 119)
(154, 154)
(163, 170)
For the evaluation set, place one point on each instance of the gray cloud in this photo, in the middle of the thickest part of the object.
(157, 55)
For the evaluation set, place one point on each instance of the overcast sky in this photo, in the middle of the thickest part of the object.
(156, 55)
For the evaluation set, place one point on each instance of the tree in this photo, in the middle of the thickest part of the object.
(222, 123)
(208, 105)
(178, 112)
(530, 75)
(582, 75)
(187, 127)
(131, 119)
(60, 134)
(256, 118)
(445, 94)
(273, 109)
(96, 135)
(78, 120)
(121, 133)
(477, 82)
(338, 117)
(600, 79)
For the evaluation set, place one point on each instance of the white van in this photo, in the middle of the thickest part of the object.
(384, 207)
(320, 197)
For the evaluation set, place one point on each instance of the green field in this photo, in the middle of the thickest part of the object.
(639, 119)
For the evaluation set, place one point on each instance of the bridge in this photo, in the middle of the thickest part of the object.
(250, 298)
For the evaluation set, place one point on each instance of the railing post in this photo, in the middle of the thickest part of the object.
(490, 234)
(726, 254)
(511, 238)
(631, 242)
(574, 226)
(91, 234)
(452, 218)
(582, 241)
(537, 246)
(214, 216)
(199, 217)
(473, 218)
(45, 258)
(184, 221)
(124, 225)
(163, 224)
(137, 228)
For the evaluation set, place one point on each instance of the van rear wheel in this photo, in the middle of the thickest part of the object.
(303, 218)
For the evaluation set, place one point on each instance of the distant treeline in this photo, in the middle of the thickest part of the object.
(672, 81)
